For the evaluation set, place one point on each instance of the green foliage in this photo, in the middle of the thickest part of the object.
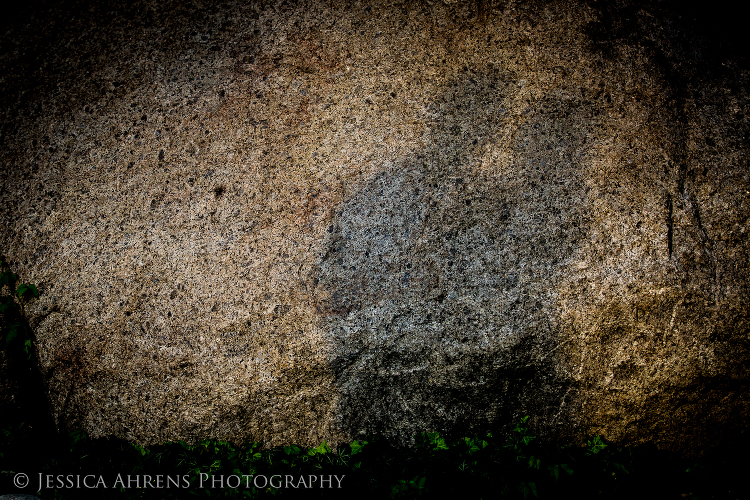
(15, 334)
(438, 442)
(520, 441)
(26, 291)
(412, 487)
(555, 469)
(479, 466)
(528, 487)
(595, 445)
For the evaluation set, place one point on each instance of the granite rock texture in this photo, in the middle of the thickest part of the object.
(295, 222)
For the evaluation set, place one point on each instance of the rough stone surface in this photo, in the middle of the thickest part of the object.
(300, 222)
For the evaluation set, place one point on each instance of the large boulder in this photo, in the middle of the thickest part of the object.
(305, 222)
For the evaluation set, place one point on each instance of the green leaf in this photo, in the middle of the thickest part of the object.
(356, 446)
(555, 471)
(595, 445)
(27, 289)
(441, 445)
(621, 468)
(527, 488)
(13, 333)
(471, 444)
(78, 435)
(322, 449)
(142, 451)
(8, 278)
(438, 441)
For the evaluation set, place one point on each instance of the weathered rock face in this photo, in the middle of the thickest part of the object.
(295, 223)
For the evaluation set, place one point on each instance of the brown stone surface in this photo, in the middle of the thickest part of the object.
(295, 222)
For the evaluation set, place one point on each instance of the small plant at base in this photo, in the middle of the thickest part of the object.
(554, 470)
(18, 331)
(528, 487)
(414, 486)
(520, 441)
(435, 439)
(595, 445)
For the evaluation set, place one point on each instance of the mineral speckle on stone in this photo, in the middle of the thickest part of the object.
(297, 222)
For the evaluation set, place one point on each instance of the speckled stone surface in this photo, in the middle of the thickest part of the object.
(296, 222)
